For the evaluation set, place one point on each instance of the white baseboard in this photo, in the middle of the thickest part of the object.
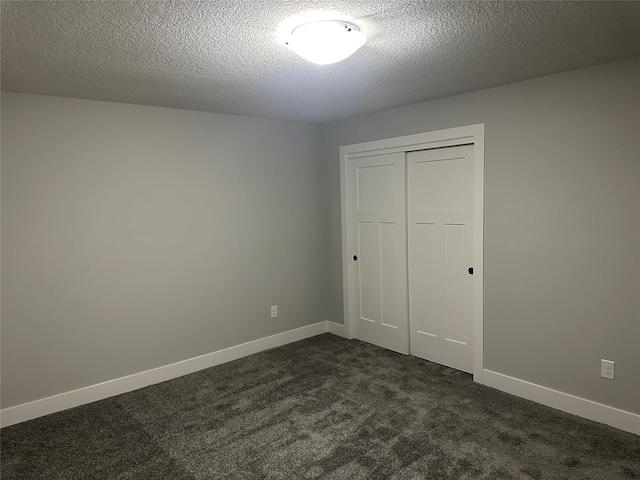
(337, 329)
(627, 421)
(598, 412)
(100, 391)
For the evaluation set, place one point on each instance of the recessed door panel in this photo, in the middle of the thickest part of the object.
(422, 279)
(369, 247)
(455, 273)
(376, 188)
(388, 278)
(442, 184)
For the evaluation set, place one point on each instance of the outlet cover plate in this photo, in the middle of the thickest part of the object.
(607, 369)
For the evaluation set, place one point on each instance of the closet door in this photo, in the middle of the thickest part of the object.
(440, 252)
(377, 204)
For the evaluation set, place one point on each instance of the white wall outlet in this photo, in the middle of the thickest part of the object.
(274, 311)
(607, 369)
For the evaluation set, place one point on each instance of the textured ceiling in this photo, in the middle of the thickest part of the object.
(224, 56)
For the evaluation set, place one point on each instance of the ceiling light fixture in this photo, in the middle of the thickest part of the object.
(326, 41)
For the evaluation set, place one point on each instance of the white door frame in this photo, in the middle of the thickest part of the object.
(441, 138)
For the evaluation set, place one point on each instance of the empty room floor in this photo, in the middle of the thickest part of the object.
(321, 408)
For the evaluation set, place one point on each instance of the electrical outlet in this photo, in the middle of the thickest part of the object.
(274, 311)
(607, 369)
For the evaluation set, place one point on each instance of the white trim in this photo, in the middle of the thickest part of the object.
(100, 391)
(627, 421)
(346, 246)
(338, 329)
(478, 255)
(471, 134)
(420, 141)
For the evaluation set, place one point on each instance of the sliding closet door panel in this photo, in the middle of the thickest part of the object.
(377, 210)
(440, 235)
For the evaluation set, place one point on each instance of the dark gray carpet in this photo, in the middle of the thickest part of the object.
(324, 408)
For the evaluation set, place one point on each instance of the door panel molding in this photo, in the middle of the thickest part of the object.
(471, 134)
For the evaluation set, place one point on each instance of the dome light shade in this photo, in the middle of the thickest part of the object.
(326, 41)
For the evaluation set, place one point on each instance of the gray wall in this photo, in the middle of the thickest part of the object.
(134, 237)
(562, 214)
